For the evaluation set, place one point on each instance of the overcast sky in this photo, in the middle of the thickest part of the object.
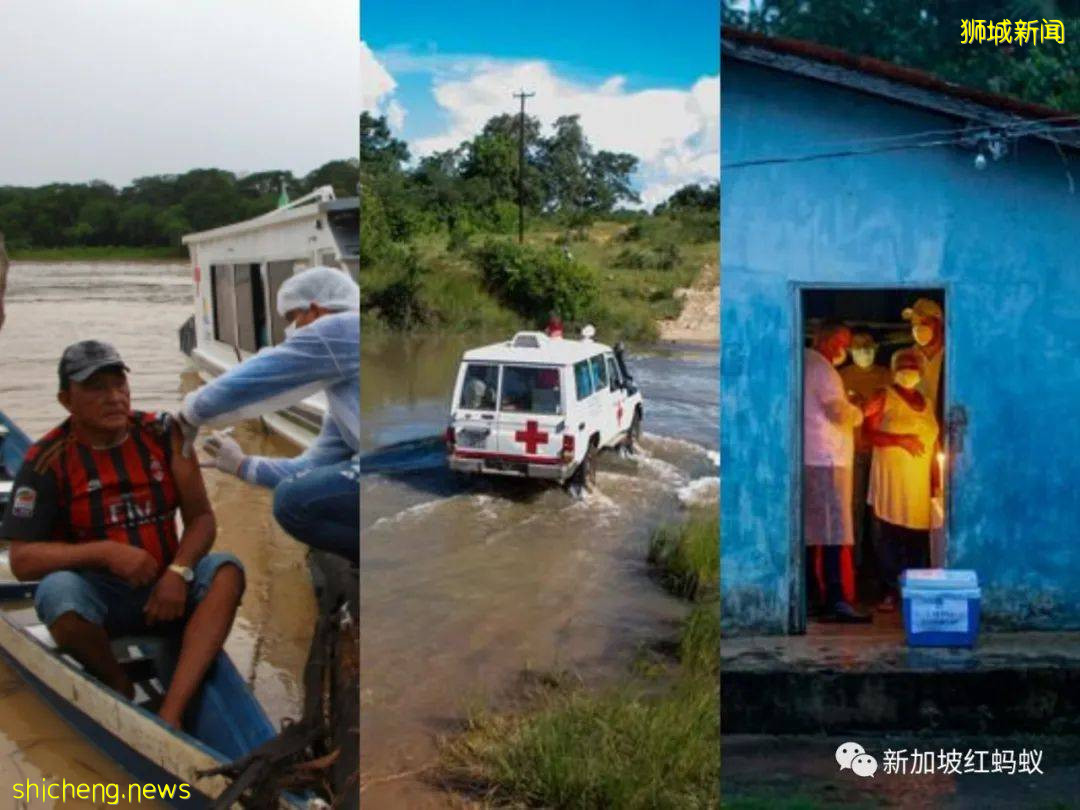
(117, 89)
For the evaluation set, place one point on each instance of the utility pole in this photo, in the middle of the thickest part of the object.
(521, 165)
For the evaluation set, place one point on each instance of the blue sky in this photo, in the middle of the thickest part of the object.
(443, 68)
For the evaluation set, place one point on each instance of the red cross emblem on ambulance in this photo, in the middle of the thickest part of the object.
(532, 436)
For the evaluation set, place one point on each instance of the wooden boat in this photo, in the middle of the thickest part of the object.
(224, 721)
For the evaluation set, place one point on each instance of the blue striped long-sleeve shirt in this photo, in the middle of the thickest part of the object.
(322, 356)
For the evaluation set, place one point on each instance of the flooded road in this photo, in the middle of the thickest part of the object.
(464, 584)
(139, 307)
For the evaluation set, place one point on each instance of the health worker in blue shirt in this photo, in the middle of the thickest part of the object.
(316, 494)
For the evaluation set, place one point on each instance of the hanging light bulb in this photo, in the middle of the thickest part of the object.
(980, 161)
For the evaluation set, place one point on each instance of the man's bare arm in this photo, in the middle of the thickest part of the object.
(32, 559)
(200, 527)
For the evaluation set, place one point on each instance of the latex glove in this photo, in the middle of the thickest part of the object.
(227, 453)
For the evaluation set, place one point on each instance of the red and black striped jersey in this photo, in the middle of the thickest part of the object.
(69, 491)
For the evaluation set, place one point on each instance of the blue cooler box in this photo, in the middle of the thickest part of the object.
(940, 607)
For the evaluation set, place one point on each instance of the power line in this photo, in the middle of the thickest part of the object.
(1014, 128)
(871, 151)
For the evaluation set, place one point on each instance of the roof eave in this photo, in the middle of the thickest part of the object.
(906, 86)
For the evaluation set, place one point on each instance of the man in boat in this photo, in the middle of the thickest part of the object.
(316, 494)
(93, 518)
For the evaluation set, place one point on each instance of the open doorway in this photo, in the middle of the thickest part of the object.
(871, 433)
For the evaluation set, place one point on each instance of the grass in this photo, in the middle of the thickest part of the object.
(686, 555)
(99, 253)
(653, 743)
(578, 750)
(699, 639)
(631, 300)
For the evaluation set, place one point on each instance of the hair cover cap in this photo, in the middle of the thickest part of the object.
(923, 308)
(328, 287)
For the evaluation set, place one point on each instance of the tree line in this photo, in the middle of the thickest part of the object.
(926, 35)
(473, 188)
(153, 211)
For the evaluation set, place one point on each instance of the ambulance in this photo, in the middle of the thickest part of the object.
(542, 407)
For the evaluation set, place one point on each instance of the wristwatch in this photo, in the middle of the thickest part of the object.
(185, 573)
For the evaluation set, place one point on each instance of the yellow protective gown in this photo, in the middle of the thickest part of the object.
(900, 482)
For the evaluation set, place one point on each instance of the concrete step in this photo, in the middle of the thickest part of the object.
(842, 678)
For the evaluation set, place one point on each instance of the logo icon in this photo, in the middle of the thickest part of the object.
(853, 756)
(22, 503)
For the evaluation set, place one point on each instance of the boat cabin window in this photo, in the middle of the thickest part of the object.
(251, 327)
(583, 380)
(599, 371)
(479, 387)
(531, 389)
(276, 273)
(224, 302)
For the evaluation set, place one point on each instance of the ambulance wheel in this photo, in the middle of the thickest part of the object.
(633, 435)
(585, 475)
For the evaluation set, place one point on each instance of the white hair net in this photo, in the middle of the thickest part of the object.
(326, 286)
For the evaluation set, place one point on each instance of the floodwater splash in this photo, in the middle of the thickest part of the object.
(479, 578)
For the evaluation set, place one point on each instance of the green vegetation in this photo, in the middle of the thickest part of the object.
(89, 220)
(439, 247)
(577, 750)
(687, 555)
(927, 36)
(652, 744)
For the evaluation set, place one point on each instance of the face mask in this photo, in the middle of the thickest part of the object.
(907, 378)
(290, 330)
(922, 333)
(840, 358)
(864, 358)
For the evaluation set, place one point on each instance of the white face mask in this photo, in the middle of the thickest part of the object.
(907, 378)
(290, 330)
(864, 358)
(922, 333)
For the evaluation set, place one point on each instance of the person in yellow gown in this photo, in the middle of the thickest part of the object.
(902, 428)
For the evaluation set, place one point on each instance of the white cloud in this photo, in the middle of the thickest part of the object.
(377, 89)
(674, 132)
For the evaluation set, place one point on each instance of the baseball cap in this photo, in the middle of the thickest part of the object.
(80, 360)
(923, 308)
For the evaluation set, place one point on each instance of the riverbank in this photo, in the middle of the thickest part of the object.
(699, 321)
(651, 742)
(105, 253)
(635, 270)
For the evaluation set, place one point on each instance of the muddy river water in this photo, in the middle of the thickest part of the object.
(138, 307)
(465, 584)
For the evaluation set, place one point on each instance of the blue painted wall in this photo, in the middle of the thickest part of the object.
(1005, 245)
